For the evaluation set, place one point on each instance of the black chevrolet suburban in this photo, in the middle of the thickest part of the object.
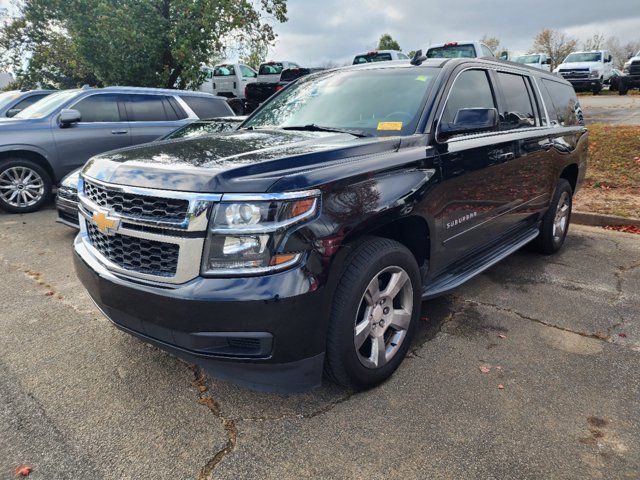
(305, 241)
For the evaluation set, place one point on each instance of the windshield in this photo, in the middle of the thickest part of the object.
(528, 59)
(7, 97)
(583, 57)
(382, 101)
(372, 57)
(223, 71)
(452, 51)
(270, 69)
(47, 105)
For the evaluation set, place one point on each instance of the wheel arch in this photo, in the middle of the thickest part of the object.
(29, 155)
(570, 174)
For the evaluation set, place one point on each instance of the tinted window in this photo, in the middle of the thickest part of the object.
(551, 110)
(486, 51)
(205, 107)
(247, 72)
(27, 102)
(470, 90)
(452, 51)
(271, 69)
(148, 108)
(565, 102)
(99, 108)
(518, 111)
(224, 71)
(372, 57)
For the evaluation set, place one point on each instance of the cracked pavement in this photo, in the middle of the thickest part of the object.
(558, 338)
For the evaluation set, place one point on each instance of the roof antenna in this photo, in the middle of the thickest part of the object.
(418, 58)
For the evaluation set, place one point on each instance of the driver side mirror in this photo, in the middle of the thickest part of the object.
(547, 61)
(68, 117)
(504, 55)
(609, 58)
(471, 120)
(13, 112)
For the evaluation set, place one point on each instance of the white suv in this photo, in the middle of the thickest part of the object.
(586, 70)
(535, 60)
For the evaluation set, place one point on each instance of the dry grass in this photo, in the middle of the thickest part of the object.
(612, 184)
(634, 91)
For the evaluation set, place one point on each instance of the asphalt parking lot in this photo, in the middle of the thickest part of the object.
(613, 109)
(528, 371)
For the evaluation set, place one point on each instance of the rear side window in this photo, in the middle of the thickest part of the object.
(518, 111)
(470, 90)
(99, 108)
(372, 57)
(224, 71)
(564, 101)
(271, 69)
(27, 102)
(149, 108)
(452, 51)
(205, 107)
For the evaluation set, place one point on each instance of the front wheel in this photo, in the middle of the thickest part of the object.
(24, 186)
(555, 222)
(374, 314)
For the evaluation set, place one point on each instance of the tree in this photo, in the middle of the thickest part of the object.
(556, 45)
(492, 42)
(595, 42)
(621, 52)
(387, 42)
(255, 54)
(154, 43)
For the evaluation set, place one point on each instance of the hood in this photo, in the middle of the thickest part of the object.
(238, 161)
(632, 59)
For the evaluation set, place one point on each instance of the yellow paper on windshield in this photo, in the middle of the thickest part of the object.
(421, 78)
(389, 125)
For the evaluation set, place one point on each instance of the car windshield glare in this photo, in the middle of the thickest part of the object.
(583, 57)
(373, 101)
(47, 105)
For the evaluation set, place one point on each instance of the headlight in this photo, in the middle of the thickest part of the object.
(247, 232)
(595, 74)
(71, 180)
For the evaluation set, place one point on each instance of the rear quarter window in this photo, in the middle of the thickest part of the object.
(452, 51)
(372, 57)
(271, 69)
(518, 111)
(205, 107)
(224, 71)
(564, 102)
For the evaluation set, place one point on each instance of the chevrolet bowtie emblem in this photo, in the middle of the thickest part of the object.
(105, 224)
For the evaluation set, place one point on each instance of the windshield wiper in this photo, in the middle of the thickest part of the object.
(312, 127)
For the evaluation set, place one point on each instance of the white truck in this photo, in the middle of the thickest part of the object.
(586, 70)
(379, 56)
(228, 79)
(465, 49)
(630, 77)
(269, 72)
(536, 60)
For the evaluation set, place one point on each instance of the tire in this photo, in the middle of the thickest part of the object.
(372, 263)
(24, 186)
(551, 239)
(622, 88)
(596, 90)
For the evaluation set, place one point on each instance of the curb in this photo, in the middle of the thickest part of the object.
(597, 220)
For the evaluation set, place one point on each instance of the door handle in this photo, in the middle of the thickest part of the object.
(119, 132)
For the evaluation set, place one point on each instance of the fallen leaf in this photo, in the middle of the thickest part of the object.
(48, 294)
(202, 388)
(500, 335)
(622, 335)
(500, 387)
(485, 369)
(23, 470)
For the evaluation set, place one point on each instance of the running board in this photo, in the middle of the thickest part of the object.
(477, 265)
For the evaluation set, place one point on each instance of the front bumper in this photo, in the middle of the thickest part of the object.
(67, 208)
(629, 81)
(267, 332)
(585, 83)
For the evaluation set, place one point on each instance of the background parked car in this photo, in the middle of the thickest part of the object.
(58, 134)
(465, 49)
(269, 72)
(586, 70)
(67, 196)
(630, 75)
(379, 56)
(536, 60)
(614, 80)
(13, 102)
(229, 80)
(258, 92)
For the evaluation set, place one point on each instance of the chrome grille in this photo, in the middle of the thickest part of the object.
(137, 206)
(634, 68)
(136, 254)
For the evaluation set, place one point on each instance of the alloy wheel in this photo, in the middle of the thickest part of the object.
(383, 317)
(21, 187)
(561, 220)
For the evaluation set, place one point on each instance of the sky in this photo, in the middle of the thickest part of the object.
(336, 30)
